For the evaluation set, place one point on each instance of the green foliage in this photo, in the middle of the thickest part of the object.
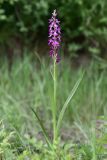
(5, 143)
(21, 18)
(29, 85)
(95, 149)
(83, 22)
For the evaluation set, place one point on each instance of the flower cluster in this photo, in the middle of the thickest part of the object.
(54, 36)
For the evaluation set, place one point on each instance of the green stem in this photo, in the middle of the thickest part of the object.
(54, 103)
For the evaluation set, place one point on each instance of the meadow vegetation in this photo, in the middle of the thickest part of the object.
(29, 84)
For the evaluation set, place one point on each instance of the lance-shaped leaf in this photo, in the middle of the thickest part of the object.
(43, 128)
(61, 115)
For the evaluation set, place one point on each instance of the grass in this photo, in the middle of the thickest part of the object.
(29, 84)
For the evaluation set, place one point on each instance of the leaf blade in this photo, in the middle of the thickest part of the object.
(73, 91)
(43, 128)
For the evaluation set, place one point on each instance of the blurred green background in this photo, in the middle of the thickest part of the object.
(24, 24)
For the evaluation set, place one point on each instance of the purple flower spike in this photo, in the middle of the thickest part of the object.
(54, 36)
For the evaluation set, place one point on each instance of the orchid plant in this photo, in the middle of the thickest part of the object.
(54, 43)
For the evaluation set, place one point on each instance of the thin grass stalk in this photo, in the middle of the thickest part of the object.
(54, 100)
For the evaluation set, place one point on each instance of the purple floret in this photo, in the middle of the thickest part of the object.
(54, 36)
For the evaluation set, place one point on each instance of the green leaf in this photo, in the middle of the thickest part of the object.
(43, 128)
(61, 115)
